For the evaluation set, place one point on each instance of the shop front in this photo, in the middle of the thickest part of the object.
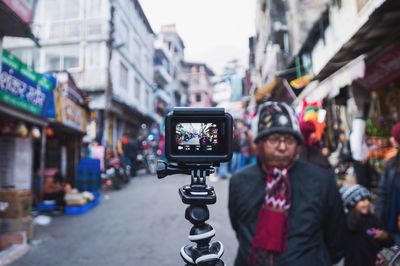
(66, 128)
(382, 80)
(24, 97)
(375, 97)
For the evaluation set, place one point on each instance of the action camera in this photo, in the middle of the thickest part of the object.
(198, 135)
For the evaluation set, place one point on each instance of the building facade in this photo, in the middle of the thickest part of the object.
(200, 88)
(173, 47)
(107, 46)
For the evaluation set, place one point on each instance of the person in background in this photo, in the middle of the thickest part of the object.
(285, 211)
(365, 235)
(236, 149)
(54, 189)
(310, 151)
(252, 146)
(359, 152)
(387, 207)
(128, 149)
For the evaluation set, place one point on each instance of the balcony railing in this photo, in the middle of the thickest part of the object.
(72, 30)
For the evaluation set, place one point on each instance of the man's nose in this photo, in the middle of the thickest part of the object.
(282, 144)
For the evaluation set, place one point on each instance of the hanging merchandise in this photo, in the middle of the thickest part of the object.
(22, 130)
(49, 132)
(7, 128)
(313, 112)
(378, 127)
(35, 132)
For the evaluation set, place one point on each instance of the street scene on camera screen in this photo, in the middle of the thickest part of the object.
(196, 136)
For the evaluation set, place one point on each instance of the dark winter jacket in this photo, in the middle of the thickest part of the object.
(384, 203)
(361, 248)
(316, 216)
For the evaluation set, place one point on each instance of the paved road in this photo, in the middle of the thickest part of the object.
(143, 224)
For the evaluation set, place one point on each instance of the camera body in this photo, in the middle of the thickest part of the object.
(198, 135)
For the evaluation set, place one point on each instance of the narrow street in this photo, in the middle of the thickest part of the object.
(142, 224)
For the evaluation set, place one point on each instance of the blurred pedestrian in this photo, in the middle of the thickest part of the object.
(365, 234)
(236, 149)
(359, 152)
(128, 150)
(245, 149)
(387, 206)
(285, 211)
(310, 151)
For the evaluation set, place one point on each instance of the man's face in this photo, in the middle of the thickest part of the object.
(279, 149)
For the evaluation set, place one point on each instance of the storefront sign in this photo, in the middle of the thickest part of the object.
(23, 8)
(69, 105)
(385, 70)
(22, 87)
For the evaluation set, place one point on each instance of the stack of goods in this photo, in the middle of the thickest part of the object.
(79, 202)
(88, 175)
(16, 224)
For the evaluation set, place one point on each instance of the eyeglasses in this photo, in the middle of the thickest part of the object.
(275, 140)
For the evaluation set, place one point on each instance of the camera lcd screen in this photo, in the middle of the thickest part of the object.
(199, 137)
(196, 137)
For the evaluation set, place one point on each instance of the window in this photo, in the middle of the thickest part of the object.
(149, 103)
(53, 10)
(92, 55)
(195, 80)
(71, 56)
(123, 76)
(94, 8)
(61, 57)
(53, 59)
(137, 88)
(71, 9)
(137, 52)
(123, 32)
(198, 97)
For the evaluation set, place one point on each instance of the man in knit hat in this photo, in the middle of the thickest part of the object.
(285, 211)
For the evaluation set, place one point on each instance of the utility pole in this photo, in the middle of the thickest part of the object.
(108, 91)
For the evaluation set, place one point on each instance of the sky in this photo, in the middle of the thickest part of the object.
(214, 31)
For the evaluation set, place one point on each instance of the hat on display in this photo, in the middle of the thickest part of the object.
(353, 194)
(396, 132)
(276, 117)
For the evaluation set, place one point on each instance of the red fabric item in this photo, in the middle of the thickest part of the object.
(396, 132)
(307, 128)
(271, 231)
(272, 225)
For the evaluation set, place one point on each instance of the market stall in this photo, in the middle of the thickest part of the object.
(24, 96)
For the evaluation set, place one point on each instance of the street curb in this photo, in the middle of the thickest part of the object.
(13, 253)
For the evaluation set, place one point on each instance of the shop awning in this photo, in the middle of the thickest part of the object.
(330, 87)
(265, 90)
(15, 17)
(301, 82)
(21, 115)
(381, 19)
(383, 71)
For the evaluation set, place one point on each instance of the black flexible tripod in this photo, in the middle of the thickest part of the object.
(197, 195)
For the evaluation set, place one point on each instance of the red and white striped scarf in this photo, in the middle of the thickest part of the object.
(272, 225)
